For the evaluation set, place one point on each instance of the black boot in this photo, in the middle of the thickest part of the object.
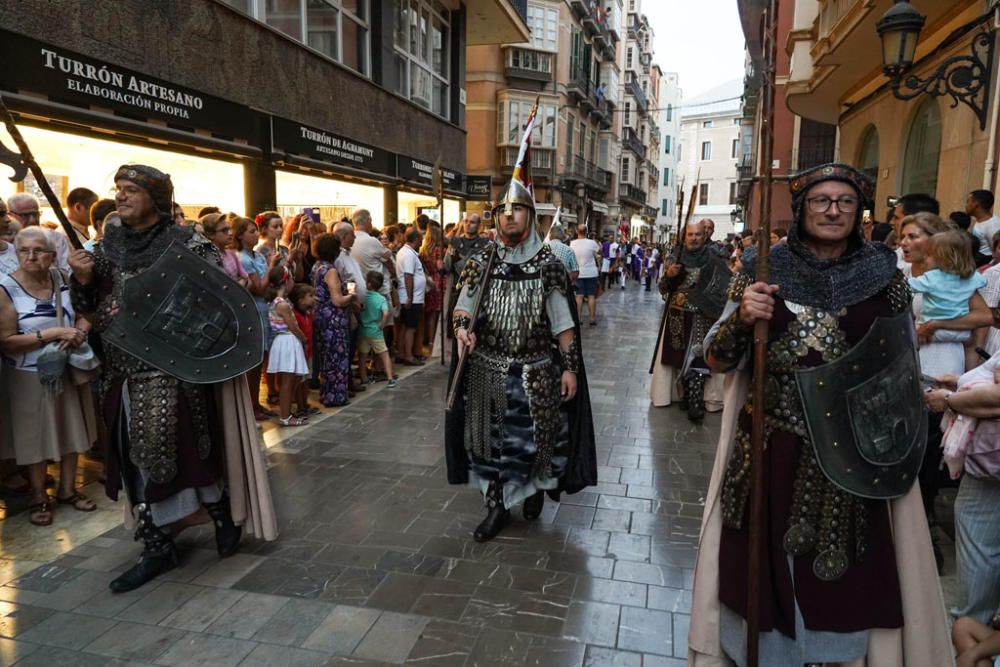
(533, 506)
(694, 391)
(159, 556)
(227, 533)
(497, 515)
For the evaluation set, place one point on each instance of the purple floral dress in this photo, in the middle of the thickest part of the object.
(333, 335)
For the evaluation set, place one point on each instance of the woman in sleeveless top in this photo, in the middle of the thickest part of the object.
(39, 423)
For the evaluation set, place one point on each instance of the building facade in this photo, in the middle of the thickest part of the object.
(709, 153)
(669, 114)
(922, 144)
(799, 142)
(570, 65)
(324, 105)
(638, 108)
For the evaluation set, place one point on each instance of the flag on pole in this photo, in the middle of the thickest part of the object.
(522, 168)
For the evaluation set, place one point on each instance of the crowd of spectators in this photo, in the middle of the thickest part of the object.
(340, 303)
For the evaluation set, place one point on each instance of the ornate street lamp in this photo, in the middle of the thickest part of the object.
(965, 78)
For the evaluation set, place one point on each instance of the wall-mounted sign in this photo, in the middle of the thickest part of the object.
(478, 187)
(329, 147)
(422, 173)
(71, 78)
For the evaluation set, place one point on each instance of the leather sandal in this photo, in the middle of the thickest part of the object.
(80, 502)
(40, 514)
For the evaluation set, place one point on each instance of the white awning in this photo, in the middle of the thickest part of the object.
(546, 209)
(600, 207)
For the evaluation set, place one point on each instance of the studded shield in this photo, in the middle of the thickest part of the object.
(865, 412)
(710, 292)
(189, 319)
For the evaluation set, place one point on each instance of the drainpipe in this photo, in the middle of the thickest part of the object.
(990, 167)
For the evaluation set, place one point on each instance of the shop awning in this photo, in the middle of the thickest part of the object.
(600, 207)
(546, 209)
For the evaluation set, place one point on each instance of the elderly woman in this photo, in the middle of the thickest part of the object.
(331, 322)
(43, 422)
(977, 531)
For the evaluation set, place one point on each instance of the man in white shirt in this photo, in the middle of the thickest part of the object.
(24, 208)
(979, 204)
(588, 258)
(412, 286)
(371, 255)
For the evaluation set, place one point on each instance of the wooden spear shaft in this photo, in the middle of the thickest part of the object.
(760, 336)
(36, 171)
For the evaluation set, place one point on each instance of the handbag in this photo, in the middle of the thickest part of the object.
(83, 364)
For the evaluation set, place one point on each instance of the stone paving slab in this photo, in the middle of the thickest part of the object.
(376, 564)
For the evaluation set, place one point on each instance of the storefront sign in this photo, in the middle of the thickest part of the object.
(329, 147)
(65, 76)
(420, 172)
(478, 187)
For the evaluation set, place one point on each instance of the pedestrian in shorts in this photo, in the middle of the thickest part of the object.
(373, 318)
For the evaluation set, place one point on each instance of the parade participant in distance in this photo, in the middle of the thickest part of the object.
(694, 286)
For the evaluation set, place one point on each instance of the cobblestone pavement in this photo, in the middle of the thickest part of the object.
(376, 563)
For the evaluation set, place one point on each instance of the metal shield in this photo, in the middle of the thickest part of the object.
(710, 292)
(865, 412)
(189, 319)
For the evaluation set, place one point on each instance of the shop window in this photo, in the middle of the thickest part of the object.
(703, 194)
(421, 35)
(544, 24)
(868, 157)
(923, 148)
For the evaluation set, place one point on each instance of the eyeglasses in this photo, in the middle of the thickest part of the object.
(33, 252)
(27, 214)
(821, 204)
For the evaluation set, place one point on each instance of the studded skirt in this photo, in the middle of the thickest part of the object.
(517, 432)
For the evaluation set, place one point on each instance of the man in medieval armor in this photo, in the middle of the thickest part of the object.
(694, 284)
(847, 572)
(167, 448)
(522, 423)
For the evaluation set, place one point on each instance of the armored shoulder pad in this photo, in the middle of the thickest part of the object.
(898, 292)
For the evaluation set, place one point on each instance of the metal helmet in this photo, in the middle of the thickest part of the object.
(515, 193)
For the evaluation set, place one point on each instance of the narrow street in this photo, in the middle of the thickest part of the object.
(376, 564)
